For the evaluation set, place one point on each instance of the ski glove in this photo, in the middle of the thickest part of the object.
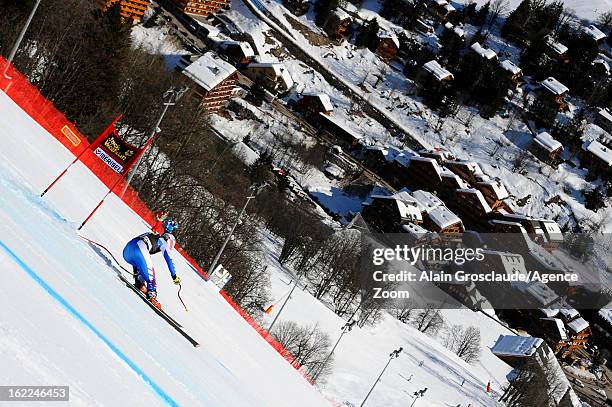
(176, 280)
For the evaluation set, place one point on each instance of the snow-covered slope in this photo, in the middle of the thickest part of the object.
(68, 320)
(363, 352)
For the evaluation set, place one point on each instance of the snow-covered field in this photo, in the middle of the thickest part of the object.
(588, 10)
(363, 352)
(68, 320)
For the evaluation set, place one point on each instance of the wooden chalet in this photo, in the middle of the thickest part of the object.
(484, 53)
(273, 76)
(388, 45)
(546, 148)
(472, 208)
(556, 50)
(441, 220)
(424, 173)
(439, 155)
(441, 9)
(201, 7)
(338, 24)
(516, 350)
(596, 157)
(339, 130)
(239, 52)
(132, 9)
(553, 93)
(604, 119)
(387, 214)
(310, 105)
(493, 190)
(510, 71)
(469, 171)
(594, 33)
(214, 79)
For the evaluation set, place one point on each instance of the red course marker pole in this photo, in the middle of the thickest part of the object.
(115, 184)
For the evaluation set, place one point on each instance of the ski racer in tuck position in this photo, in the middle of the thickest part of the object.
(138, 253)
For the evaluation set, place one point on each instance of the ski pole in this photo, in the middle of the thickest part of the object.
(107, 251)
(179, 296)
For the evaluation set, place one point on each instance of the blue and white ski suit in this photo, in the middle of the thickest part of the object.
(138, 253)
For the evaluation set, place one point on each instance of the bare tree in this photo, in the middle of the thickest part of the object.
(464, 342)
(498, 8)
(428, 320)
(309, 345)
(604, 21)
(403, 310)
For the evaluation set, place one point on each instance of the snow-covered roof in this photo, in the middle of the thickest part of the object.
(443, 217)
(343, 124)
(408, 211)
(209, 70)
(498, 188)
(426, 201)
(323, 99)
(404, 157)
(244, 46)
(483, 52)
(440, 2)
(552, 229)
(594, 32)
(280, 71)
(456, 29)
(557, 46)
(554, 86)
(414, 230)
(211, 29)
(470, 166)
(406, 205)
(605, 114)
(479, 196)
(437, 70)
(578, 325)
(606, 313)
(550, 312)
(384, 33)
(560, 327)
(568, 312)
(547, 142)
(596, 148)
(510, 66)
(514, 345)
(449, 7)
(460, 182)
(603, 62)
(341, 14)
(538, 291)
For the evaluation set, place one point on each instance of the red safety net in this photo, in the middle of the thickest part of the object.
(29, 98)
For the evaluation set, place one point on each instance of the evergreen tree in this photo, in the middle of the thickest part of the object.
(367, 35)
(260, 170)
(594, 200)
(514, 26)
(469, 12)
(481, 16)
(322, 9)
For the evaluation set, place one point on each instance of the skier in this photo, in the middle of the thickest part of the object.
(138, 253)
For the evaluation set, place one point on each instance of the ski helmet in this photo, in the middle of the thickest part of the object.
(170, 225)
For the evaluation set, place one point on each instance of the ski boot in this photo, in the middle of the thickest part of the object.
(152, 297)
